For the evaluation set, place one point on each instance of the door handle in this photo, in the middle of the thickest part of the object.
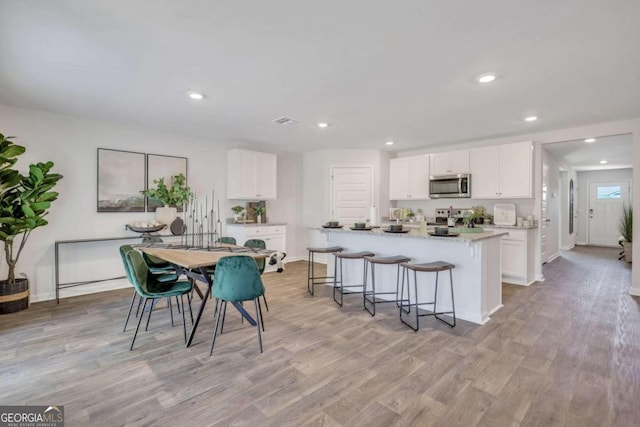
(547, 220)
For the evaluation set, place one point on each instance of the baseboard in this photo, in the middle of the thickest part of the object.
(539, 278)
(635, 292)
(553, 257)
(82, 290)
(568, 248)
(581, 243)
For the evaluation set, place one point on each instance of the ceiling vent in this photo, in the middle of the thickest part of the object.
(285, 121)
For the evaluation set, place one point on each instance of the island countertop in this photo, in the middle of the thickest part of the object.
(417, 234)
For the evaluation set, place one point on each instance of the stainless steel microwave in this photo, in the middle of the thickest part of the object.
(450, 186)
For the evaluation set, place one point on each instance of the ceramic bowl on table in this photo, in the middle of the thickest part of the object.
(441, 231)
(333, 224)
(360, 225)
(395, 228)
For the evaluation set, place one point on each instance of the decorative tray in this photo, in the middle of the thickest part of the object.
(145, 229)
(443, 235)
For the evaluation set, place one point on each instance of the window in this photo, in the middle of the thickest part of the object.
(609, 192)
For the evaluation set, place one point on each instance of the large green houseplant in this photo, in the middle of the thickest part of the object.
(172, 196)
(625, 227)
(24, 202)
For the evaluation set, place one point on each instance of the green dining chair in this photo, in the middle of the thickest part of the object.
(227, 240)
(237, 279)
(162, 277)
(259, 244)
(149, 288)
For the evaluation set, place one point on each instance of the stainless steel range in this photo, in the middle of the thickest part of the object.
(457, 213)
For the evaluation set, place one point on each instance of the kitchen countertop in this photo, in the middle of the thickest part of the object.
(511, 227)
(259, 225)
(417, 234)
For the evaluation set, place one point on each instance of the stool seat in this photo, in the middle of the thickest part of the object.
(355, 255)
(397, 259)
(328, 250)
(430, 266)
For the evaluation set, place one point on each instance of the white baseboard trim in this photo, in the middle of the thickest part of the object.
(568, 247)
(635, 292)
(539, 278)
(581, 243)
(553, 257)
(82, 290)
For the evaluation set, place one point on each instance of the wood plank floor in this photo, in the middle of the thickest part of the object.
(562, 352)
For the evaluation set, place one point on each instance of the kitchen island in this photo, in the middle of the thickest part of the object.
(476, 278)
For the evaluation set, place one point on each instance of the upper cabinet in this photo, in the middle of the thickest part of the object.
(251, 175)
(409, 178)
(502, 172)
(451, 163)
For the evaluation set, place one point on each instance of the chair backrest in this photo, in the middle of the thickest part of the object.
(228, 240)
(153, 261)
(257, 244)
(237, 279)
(139, 272)
(124, 249)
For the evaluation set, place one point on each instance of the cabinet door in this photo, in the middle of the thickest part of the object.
(419, 177)
(266, 183)
(277, 242)
(459, 162)
(241, 174)
(399, 179)
(440, 164)
(515, 169)
(484, 172)
(513, 259)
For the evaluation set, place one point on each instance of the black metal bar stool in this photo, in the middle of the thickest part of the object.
(349, 255)
(388, 260)
(311, 277)
(428, 267)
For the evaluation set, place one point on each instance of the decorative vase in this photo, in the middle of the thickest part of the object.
(259, 219)
(166, 215)
(14, 298)
(628, 255)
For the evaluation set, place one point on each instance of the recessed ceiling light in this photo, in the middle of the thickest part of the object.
(531, 119)
(590, 140)
(323, 125)
(486, 78)
(196, 95)
(603, 162)
(389, 142)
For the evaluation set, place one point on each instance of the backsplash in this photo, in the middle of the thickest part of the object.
(524, 207)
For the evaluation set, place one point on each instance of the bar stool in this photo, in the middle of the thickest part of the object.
(311, 277)
(350, 255)
(428, 267)
(389, 260)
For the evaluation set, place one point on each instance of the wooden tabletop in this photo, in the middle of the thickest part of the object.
(190, 258)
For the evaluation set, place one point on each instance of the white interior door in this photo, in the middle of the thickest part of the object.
(350, 193)
(544, 219)
(605, 206)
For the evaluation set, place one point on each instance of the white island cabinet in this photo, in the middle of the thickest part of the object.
(502, 171)
(251, 175)
(477, 285)
(409, 178)
(274, 236)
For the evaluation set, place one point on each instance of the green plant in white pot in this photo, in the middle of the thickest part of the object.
(259, 210)
(172, 196)
(625, 226)
(24, 202)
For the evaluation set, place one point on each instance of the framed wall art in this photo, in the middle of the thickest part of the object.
(163, 167)
(121, 178)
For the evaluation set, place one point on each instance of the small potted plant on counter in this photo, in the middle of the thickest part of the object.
(626, 230)
(238, 211)
(259, 210)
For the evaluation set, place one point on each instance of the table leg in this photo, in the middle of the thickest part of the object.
(203, 272)
(244, 313)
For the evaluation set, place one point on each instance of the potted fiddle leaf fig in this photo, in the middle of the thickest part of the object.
(24, 202)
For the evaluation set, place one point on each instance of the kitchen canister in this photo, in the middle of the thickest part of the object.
(519, 221)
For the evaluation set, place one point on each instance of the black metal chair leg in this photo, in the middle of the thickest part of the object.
(133, 299)
(170, 310)
(260, 309)
(264, 298)
(138, 309)
(255, 303)
(153, 300)
(215, 329)
(138, 326)
(184, 320)
(224, 315)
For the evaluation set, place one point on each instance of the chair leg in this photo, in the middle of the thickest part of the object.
(153, 300)
(264, 297)
(170, 310)
(261, 318)
(219, 304)
(224, 315)
(177, 305)
(139, 321)
(133, 299)
(184, 321)
(138, 309)
(255, 302)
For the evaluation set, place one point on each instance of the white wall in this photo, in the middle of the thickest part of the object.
(71, 143)
(553, 204)
(584, 177)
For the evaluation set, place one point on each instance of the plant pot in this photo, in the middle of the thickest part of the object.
(259, 219)
(166, 214)
(15, 297)
(628, 255)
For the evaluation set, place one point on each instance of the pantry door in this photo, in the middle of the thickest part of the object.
(351, 192)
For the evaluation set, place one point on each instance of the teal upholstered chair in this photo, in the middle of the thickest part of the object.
(237, 279)
(227, 240)
(149, 288)
(165, 276)
(157, 266)
(259, 244)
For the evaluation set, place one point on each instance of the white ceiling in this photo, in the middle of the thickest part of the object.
(376, 70)
(617, 150)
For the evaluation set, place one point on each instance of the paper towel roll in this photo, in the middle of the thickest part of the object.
(374, 218)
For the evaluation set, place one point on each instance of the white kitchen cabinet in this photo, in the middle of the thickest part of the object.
(251, 175)
(450, 163)
(518, 255)
(409, 178)
(502, 172)
(274, 236)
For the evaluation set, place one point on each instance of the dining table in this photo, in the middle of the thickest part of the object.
(197, 263)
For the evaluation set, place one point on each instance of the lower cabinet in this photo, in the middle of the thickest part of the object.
(518, 256)
(274, 236)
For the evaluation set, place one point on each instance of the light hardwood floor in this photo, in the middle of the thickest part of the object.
(561, 352)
